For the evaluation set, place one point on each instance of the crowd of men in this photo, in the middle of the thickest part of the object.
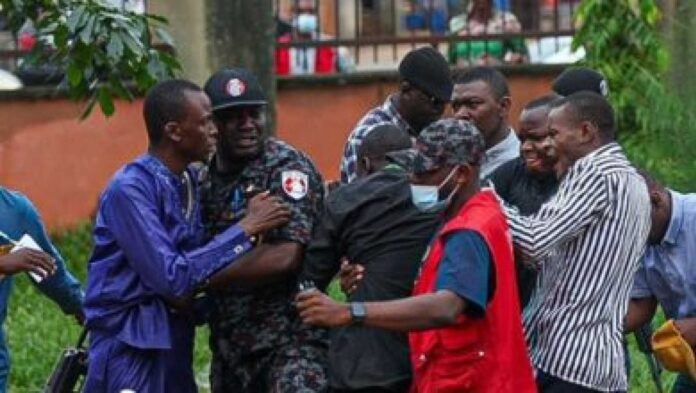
(475, 257)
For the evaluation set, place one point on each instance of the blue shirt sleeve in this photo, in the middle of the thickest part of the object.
(62, 287)
(132, 217)
(465, 270)
(641, 288)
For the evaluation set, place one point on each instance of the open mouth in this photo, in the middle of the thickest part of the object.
(247, 142)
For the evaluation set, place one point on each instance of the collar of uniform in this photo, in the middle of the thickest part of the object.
(675, 222)
(509, 142)
(389, 108)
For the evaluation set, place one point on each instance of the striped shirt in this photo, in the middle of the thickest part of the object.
(386, 113)
(587, 241)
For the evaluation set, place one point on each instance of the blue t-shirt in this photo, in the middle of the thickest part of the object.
(465, 270)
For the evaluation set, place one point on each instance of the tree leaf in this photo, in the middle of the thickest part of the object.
(157, 18)
(133, 45)
(86, 34)
(164, 36)
(60, 36)
(106, 103)
(74, 74)
(117, 86)
(114, 48)
(75, 19)
(89, 106)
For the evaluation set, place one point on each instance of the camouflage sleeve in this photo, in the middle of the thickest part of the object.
(299, 183)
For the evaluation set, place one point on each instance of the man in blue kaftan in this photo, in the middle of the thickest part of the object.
(150, 254)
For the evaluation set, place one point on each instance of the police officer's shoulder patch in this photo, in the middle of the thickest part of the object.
(295, 184)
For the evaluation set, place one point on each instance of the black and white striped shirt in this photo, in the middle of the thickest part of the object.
(588, 240)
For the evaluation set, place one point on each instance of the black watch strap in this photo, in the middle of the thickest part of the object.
(357, 313)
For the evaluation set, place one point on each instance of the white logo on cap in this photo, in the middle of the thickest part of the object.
(235, 87)
(603, 87)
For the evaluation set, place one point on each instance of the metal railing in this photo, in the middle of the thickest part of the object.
(369, 35)
(377, 33)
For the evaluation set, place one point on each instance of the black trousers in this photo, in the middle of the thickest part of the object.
(547, 383)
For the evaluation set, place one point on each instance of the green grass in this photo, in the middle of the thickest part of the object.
(37, 331)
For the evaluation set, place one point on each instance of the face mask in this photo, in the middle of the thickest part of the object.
(427, 198)
(306, 23)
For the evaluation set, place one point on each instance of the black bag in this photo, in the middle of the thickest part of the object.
(70, 369)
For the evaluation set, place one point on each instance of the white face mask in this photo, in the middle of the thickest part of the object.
(306, 23)
(427, 198)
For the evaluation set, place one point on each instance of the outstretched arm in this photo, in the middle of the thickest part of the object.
(421, 312)
(132, 218)
(265, 264)
(584, 199)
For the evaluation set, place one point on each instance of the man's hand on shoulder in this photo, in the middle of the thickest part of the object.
(28, 260)
(264, 212)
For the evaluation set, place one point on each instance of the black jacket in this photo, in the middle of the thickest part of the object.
(371, 221)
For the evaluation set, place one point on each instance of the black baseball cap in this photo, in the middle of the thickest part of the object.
(426, 69)
(573, 80)
(232, 87)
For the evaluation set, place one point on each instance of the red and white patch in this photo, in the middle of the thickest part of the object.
(235, 87)
(295, 184)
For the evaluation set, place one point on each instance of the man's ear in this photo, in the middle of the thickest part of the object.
(505, 104)
(465, 173)
(588, 131)
(173, 131)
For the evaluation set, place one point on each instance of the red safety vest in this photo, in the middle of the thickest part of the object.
(475, 355)
(325, 58)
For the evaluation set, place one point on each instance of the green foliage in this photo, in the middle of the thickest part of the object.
(623, 41)
(103, 50)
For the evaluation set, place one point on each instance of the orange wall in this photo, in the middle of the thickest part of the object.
(62, 164)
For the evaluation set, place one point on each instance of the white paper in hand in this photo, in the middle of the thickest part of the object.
(28, 242)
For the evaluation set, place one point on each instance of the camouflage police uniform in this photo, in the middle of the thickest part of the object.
(258, 341)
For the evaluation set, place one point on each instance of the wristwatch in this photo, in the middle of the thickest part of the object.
(357, 313)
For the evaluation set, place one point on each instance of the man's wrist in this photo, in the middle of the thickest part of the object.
(345, 317)
(248, 229)
(251, 233)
